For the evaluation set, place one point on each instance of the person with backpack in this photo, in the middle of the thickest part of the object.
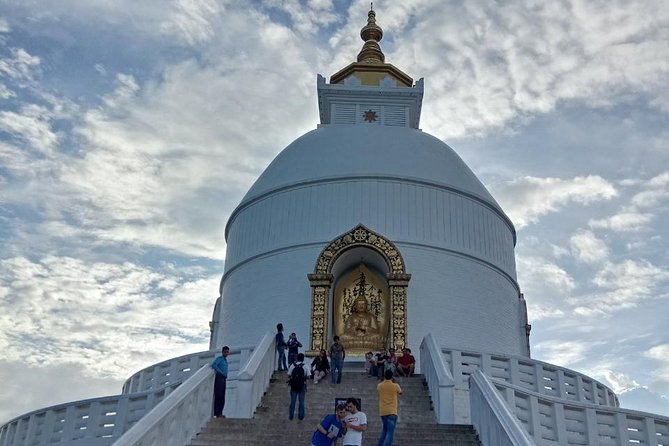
(281, 348)
(293, 347)
(298, 372)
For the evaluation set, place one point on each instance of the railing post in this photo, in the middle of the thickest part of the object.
(650, 433)
(580, 395)
(486, 364)
(514, 370)
(560, 424)
(456, 366)
(621, 428)
(591, 426)
(68, 428)
(121, 416)
(535, 417)
(539, 378)
(562, 391)
(30, 432)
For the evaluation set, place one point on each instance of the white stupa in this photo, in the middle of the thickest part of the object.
(369, 229)
(368, 195)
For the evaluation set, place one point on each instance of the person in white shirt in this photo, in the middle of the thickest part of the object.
(355, 423)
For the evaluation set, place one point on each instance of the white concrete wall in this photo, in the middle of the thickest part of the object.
(461, 301)
(400, 210)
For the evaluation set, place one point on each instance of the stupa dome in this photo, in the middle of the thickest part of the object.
(354, 151)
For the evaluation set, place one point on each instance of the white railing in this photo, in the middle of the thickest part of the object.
(177, 370)
(179, 417)
(176, 420)
(99, 421)
(537, 376)
(447, 371)
(439, 380)
(252, 381)
(93, 422)
(493, 420)
(552, 421)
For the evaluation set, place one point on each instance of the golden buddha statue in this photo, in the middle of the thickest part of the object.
(361, 311)
(361, 328)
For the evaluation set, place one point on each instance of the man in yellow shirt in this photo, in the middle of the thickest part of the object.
(389, 391)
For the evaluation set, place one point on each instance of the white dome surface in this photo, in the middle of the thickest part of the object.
(346, 151)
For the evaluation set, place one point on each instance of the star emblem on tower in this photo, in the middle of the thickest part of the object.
(370, 115)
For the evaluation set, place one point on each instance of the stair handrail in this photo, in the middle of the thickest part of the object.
(492, 418)
(176, 419)
(439, 379)
(253, 378)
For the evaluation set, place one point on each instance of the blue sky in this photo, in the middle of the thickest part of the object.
(129, 131)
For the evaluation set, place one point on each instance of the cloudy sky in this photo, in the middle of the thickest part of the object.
(130, 130)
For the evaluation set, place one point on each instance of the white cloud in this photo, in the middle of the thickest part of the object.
(109, 319)
(659, 353)
(656, 192)
(33, 125)
(527, 199)
(20, 66)
(563, 353)
(492, 63)
(625, 221)
(623, 285)
(587, 248)
(192, 20)
(619, 382)
(546, 285)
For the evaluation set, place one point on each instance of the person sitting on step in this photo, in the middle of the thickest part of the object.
(406, 364)
(320, 366)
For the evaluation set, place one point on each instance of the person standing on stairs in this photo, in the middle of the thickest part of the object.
(330, 428)
(298, 372)
(337, 355)
(389, 392)
(293, 347)
(355, 423)
(281, 348)
(220, 366)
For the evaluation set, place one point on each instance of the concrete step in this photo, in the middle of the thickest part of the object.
(416, 423)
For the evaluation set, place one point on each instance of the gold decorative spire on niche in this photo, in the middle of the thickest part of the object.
(371, 67)
(371, 35)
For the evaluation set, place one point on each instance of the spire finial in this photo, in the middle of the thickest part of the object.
(371, 34)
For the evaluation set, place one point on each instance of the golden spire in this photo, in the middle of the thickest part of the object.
(372, 33)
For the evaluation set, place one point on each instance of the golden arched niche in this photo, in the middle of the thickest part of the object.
(327, 312)
(361, 307)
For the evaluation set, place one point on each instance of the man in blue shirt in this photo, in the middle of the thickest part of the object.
(330, 428)
(220, 366)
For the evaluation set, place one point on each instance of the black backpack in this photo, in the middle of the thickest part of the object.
(297, 378)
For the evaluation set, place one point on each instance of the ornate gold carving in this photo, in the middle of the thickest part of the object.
(320, 290)
(361, 310)
(360, 236)
(398, 323)
(394, 306)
